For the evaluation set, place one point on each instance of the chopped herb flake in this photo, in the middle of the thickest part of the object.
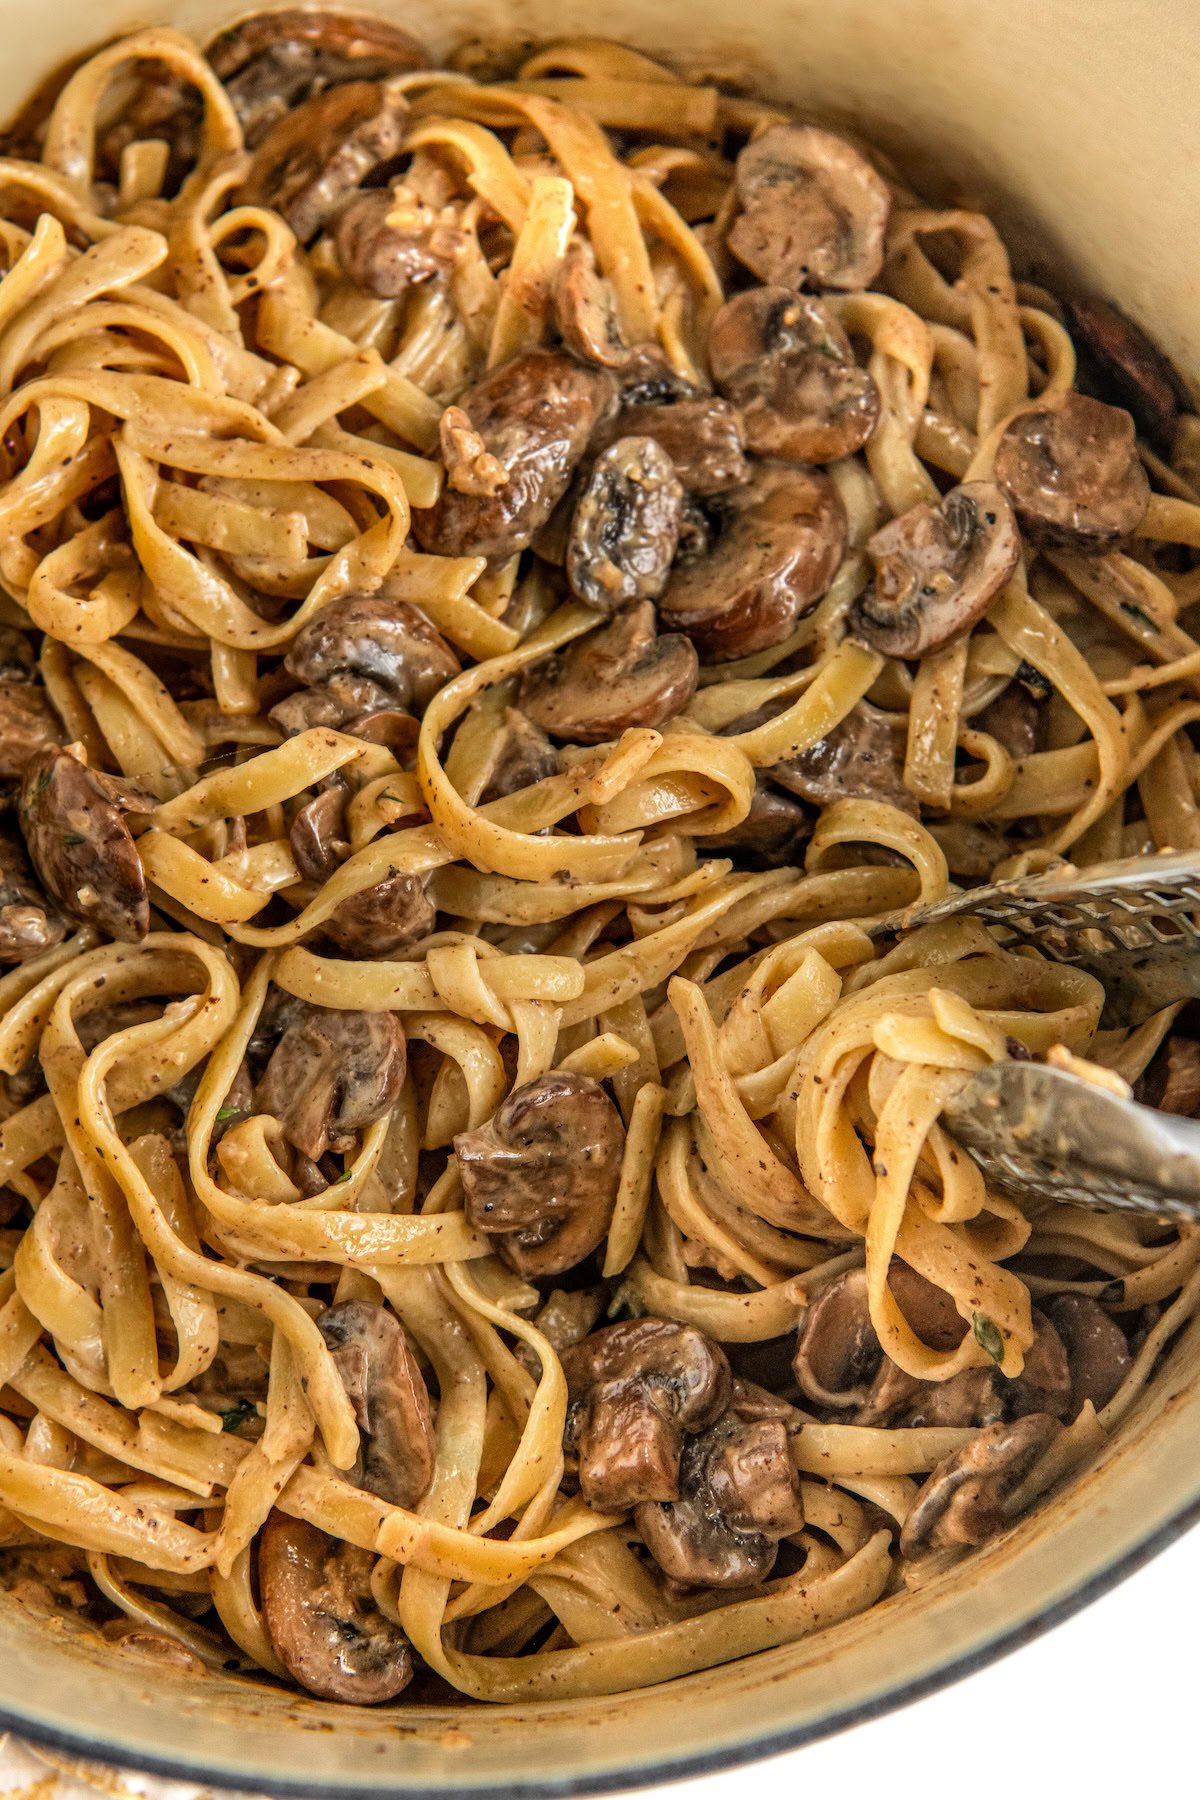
(237, 1414)
(987, 1336)
(225, 1113)
(1136, 612)
(72, 837)
(1112, 1293)
(1034, 680)
(345, 1176)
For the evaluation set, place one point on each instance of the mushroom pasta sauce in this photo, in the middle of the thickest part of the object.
(509, 569)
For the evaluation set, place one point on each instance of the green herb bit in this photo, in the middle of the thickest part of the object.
(72, 837)
(1136, 612)
(237, 1415)
(1034, 680)
(987, 1336)
(225, 1113)
(1113, 1293)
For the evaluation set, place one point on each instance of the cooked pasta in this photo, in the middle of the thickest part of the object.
(516, 576)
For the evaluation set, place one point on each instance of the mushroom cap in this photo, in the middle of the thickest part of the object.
(534, 416)
(311, 160)
(783, 538)
(814, 210)
(1138, 376)
(384, 919)
(541, 1176)
(1044, 1384)
(838, 1355)
(585, 309)
(861, 758)
(1072, 474)
(272, 61)
(937, 570)
(962, 1502)
(332, 1074)
(28, 723)
(397, 1449)
(387, 260)
(29, 922)
(321, 1618)
(522, 755)
(620, 676)
(367, 652)
(773, 831)
(1097, 1351)
(625, 530)
(80, 845)
(701, 433)
(787, 364)
(316, 833)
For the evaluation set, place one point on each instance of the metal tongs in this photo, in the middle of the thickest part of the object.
(1040, 1132)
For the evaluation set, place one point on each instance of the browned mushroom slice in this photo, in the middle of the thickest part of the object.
(315, 834)
(309, 708)
(625, 531)
(391, 1402)
(533, 418)
(635, 1390)
(861, 759)
(384, 919)
(1136, 374)
(1172, 1081)
(272, 61)
(937, 570)
(838, 1355)
(523, 756)
(1096, 1347)
(1014, 719)
(782, 540)
(1072, 474)
(17, 659)
(365, 652)
(739, 1494)
(322, 1619)
(814, 211)
(28, 723)
(962, 1502)
(312, 159)
(774, 831)
(29, 923)
(585, 310)
(332, 1074)
(787, 365)
(541, 1176)
(620, 676)
(80, 845)
(701, 433)
(389, 259)
(1044, 1384)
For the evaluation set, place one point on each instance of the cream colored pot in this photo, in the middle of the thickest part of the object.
(1069, 120)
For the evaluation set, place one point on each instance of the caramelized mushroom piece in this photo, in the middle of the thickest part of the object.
(962, 1502)
(838, 1355)
(272, 61)
(29, 923)
(391, 1402)
(523, 755)
(635, 1390)
(383, 919)
(17, 661)
(312, 159)
(315, 834)
(1137, 375)
(937, 570)
(1014, 719)
(738, 1495)
(532, 419)
(625, 531)
(1044, 1384)
(622, 675)
(814, 211)
(1072, 473)
(782, 540)
(773, 831)
(28, 723)
(861, 759)
(322, 1619)
(389, 259)
(787, 365)
(364, 653)
(585, 309)
(1096, 1349)
(541, 1176)
(331, 1075)
(80, 845)
(701, 433)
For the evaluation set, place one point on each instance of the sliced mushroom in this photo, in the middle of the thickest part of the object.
(365, 652)
(311, 160)
(625, 531)
(861, 759)
(379, 1372)
(331, 1075)
(532, 418)
(28, 723)
(787, 365)
(620, 676)
(585, 309)
(782, 540)
(962, 1502)
(321, 1616)
(1072, 473)
(814, 211)
(701, 433)
(273, 61)
(1014, 719)
(541, 1176)
(738, 1495)
(388, 259)
(1044, 1384)
(937, 570)
(315, 834)
(838, 1355)
(773, 832)
(80, 845)
(523, 755)
(636, 1390)
(17, 660)
(29, 923)
(1172, 1081)
(384, 919)
(304, 711)
(1096, 1349)
(1136, 374)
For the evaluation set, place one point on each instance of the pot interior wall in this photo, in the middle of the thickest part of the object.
(1066, 120)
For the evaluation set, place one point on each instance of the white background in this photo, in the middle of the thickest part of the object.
(1107, 1704)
